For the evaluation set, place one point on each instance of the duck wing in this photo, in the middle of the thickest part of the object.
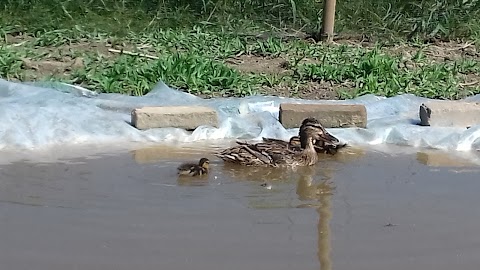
(279, 142)
(244, 154)
(258, 154)
(186, 166)
(187, 169)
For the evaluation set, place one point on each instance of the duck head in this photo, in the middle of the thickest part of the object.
(204, 162)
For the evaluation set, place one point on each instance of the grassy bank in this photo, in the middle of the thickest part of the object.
(237, 48)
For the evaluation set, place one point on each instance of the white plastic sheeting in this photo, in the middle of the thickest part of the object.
(38, 116)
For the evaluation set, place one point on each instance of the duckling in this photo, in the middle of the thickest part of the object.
(329, 146)
(192, 169)
(279, 154)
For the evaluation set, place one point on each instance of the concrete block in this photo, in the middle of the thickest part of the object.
(449, 113)
(330, 115)
(186, 117)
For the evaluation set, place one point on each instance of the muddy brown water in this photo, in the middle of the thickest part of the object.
(358, 210)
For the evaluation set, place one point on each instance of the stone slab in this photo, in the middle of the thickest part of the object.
(186, 117)
(449, 113)
(330, 115)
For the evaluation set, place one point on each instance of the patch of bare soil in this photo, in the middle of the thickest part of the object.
(440, 51)
(61, 60)
(45, 68)
(17, 40)
(279, 66)
(436, 51)
(309, 90)
(258, 64)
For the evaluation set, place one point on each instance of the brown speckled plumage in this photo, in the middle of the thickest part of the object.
(329, 144)
(193, 169)
(273, 153)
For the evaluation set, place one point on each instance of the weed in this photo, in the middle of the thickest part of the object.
(188, 44)
(10, 64)
(136, 76)
(376, 73)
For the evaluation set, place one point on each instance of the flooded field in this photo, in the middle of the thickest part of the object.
(360, 209)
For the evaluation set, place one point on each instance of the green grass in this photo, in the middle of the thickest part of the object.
(373, 72)
(189, 72)
(190, 44)
(412, 19)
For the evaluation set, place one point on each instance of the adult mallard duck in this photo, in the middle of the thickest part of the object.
(278, 154)
(192, 169)
(329, 146)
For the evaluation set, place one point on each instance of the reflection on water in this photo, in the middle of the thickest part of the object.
(314, 189)
(322, 192)
(260, 174)
(133, 212)
(307, 189)
(159, 153)
(437, 158)
(324, 239)
(311, 193)
(309, 182)
(201, 180)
